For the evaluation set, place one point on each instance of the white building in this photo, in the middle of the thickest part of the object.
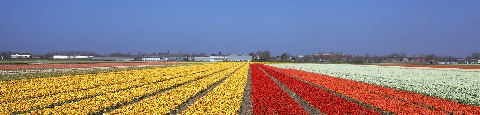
(203, 59)
(71, 57)
(221, 58)
(236, 58)
(166, 57)
(154, 59)
(112, 59)
(16, 56)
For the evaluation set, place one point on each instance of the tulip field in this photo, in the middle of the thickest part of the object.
(249, 88)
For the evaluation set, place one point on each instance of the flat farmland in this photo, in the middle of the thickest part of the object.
(250, 88)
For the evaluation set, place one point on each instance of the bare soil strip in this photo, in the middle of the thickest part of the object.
(246, 107)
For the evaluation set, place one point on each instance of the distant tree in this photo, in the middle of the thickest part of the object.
(432, 58)
(118, 54)
(335, 57)
(6, 54)
(316, 58)
(367, 58)
(449, 59)
(475, 55)
(265, 55)
(402, 55)
(307, 58)
(349, 57)
(357, 59)
(258, 53)
(376, 59)
(253, 55)
(203, 54)
(284, 56)
(429, 57)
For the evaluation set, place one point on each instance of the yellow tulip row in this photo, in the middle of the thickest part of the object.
(23, 89)
(101, 102)
(167, 101)
(145, 77)
(225, 99)
(26, 104)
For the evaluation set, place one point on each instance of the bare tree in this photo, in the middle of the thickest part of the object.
(366, 58)
(118, 54)
(475, 55)
(285, 56)
(357, 59)
(316, 58)
(253, 55)
(307, 58)
(203, 54)
(265, 55)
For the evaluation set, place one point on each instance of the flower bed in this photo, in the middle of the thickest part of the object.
(395, 94)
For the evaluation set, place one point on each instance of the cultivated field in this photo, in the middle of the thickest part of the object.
(249, 88)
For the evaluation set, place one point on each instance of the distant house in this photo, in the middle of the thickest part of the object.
(20, 56)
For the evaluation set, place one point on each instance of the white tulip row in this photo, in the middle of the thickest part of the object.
(453, 84)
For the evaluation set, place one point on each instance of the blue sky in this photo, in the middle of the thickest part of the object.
(378, 27)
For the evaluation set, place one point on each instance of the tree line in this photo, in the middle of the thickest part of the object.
(265, 56)
(335, 57)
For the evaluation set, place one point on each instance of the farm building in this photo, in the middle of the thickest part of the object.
(166, 57)
(17, 56)
(447, 62)
(71, 57)
(468, 61)
(236, 58)
(220, 58)
(202, 59)
(112, 59)
(154, 59)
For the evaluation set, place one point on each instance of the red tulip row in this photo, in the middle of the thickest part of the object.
(396, 101)
(321, 99)
(44, 66)
(268, 97)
